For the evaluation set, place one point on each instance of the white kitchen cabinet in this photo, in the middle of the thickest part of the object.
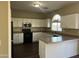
(39, 23)
(49, 23)
(20, 22)
(17, 22)
(70, 21)
(15, 38)
(27, 20)
(37, 36)
(18, 38)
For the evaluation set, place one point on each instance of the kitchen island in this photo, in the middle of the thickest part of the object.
(58, 46)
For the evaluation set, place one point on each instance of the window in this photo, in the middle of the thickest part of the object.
(56, 25)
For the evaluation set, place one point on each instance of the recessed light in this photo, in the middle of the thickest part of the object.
(36, 5)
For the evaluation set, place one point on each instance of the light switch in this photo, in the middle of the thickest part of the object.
(0, 42)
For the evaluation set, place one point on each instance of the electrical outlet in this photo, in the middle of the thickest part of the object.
(0, 42)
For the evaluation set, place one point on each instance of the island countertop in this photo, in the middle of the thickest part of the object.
(48, 38)
(58, 46)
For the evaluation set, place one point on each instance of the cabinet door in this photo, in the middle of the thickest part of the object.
(20, 37)
(20, 22)
(42, 23)
(15, 22)
(37, 36)
(69, 21)
(15, 38)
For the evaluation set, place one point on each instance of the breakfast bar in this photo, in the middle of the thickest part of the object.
(58, 46)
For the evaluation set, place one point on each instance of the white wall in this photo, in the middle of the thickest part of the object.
(35, 22)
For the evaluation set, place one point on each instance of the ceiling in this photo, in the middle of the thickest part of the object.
(45, 6)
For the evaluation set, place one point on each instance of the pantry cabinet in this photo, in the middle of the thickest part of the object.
(70, 21)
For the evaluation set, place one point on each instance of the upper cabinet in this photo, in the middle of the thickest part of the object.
(70, 21)
(17, 22)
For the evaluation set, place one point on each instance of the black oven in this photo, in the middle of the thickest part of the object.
(27, 33)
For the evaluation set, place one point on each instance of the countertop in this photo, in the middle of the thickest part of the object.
(68, 32)
(49, 38)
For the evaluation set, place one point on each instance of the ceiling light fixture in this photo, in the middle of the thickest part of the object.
(36, 5)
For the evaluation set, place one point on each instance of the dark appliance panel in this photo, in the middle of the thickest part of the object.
(27, 33)
(28, 37)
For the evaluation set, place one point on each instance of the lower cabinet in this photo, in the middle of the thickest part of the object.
(37, 35)
(17, 38)
(21, 38)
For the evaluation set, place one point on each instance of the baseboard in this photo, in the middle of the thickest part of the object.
(4, 56)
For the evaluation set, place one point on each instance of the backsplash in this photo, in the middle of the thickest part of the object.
(73, 32)
(33, 29)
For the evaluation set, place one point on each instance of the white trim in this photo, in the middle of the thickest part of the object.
(9, 30)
